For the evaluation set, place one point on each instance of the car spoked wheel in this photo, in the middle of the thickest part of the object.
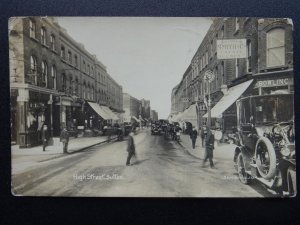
(265, 158)
(243, 176)
(291, 179)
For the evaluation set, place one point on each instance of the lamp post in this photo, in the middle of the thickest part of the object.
(209, 76)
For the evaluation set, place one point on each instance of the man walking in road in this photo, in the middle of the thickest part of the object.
(64, 138)
(203, 135)
(209, 147)
(193, 136)
(130, 148)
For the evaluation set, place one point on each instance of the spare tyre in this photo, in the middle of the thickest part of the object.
(265, 158)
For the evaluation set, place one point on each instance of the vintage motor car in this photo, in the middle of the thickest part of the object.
(266, 142)
(156, 129)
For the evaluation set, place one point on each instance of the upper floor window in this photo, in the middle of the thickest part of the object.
(249, 54)
(276, 47)
(63, 52)
(76, 60)
(43, 36)
(64, 82)
(237, 23)
(53, 75)
(70, 56)
(88, 68)
(84, 68)
(32, 64)
(222, 32)
(237, 65)
(52, 42)
(44, 74)
(32, 28)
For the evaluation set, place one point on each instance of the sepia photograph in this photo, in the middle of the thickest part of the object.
(152, 107)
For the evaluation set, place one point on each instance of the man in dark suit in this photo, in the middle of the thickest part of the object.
(64, 138)
(130, 148)
(45, 136)
(193, 136)
(209, 147)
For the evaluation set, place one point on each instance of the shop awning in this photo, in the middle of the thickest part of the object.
(111, 114)
(136, 119)
(190, 115)
(228, 99)
(99, 110)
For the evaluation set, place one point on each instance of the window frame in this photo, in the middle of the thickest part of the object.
(268, 49)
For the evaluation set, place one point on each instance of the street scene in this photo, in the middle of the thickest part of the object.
(152, 107)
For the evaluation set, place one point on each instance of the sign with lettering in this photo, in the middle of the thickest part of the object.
(185, 99)
(272, 83)
(231, 48)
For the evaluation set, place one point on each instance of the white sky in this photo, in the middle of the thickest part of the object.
(146, 55)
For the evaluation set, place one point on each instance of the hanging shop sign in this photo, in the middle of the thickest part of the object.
(273, 82)
(231, 48)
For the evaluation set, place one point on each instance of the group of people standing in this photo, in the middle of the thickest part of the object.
(208, 140)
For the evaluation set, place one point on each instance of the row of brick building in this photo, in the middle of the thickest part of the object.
(268, 68)
(55, 81)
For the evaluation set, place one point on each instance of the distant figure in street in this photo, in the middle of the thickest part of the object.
(203, 135)
(64, 138)
(209, 147)
(45, 136)
(193, 136)
(130, 148)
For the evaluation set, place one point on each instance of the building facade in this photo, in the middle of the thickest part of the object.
(132, 108)
(153, 115)
(53, 79)
(268, 62)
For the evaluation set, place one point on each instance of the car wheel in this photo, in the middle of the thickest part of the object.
(265, 158)
(243, 176)
(291, 181)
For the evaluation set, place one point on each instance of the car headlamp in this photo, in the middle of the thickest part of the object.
(285, 151)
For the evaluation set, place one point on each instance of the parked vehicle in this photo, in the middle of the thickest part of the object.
(266, 145)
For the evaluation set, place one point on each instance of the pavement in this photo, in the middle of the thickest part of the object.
(25, 158)
(221, 151)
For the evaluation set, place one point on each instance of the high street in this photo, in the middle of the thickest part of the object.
(164, 169)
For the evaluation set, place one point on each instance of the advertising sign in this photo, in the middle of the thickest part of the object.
(231, 48)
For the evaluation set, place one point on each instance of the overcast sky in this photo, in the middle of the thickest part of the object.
(147, 56)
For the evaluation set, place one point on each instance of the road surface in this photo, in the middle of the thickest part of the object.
(163, 169)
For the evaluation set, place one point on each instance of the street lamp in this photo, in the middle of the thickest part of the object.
(209, 76)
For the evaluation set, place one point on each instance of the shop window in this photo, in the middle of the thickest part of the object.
(44, 78)
(53, 75)
(43, 36)
(276, 47)
(32, 29)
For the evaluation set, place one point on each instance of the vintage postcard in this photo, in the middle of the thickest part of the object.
(152, 107)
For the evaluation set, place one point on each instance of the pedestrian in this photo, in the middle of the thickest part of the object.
(130, 148)
(203, 135)
(209, 147)
(64, 138)
(45, 136)
(193, 136)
